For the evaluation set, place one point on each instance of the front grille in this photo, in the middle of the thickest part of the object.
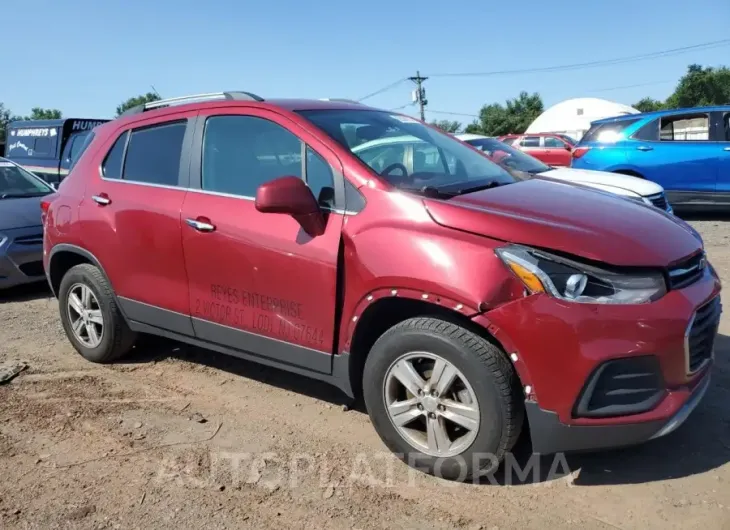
(29, 240)
(687, 272)
(622, 386)
(659, 200)
(700, 336)
(33, 268)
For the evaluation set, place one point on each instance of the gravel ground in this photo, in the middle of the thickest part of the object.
(176, 437)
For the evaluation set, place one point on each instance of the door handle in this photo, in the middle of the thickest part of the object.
(101, 200)
(644, 148)
(200, 226)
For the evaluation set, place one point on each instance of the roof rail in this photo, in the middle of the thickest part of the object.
(341, 100)
(230, 95)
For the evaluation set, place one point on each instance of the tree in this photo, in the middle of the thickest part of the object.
(137, 100)
(448, 126)
(700, 87)
(38, 113)
(514, 117)
(5, 117)
(648, 105)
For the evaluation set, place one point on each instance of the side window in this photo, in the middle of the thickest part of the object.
(320, 179)
(726, 124)
(354, 201)
(649, 132)
(242, 152)
(426, 159)
(379, 158)
(554, 143)
(530, 141)
(509, 141)
(153, 154)
(80, 143)
(685, 128)
(112, 166)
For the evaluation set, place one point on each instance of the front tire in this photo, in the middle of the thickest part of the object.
(91, 317)
(442, 398)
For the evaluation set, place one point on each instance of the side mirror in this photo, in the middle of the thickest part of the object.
(568, 148)
(290, 195)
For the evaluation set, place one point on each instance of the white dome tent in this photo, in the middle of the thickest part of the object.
(574, 116)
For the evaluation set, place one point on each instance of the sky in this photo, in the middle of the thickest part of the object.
(87, 56)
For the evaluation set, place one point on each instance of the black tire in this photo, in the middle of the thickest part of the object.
(490, 374)
(117, 339)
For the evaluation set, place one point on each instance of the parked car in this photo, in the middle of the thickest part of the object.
(687, 151)
(457, 299)
(624, 185)
(21, 230)
(48, 148)
(551, 148)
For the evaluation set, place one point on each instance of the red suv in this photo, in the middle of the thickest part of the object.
(552, 149)
(462, 303)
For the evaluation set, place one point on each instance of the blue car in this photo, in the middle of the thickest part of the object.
(686, 151)
(21, 231)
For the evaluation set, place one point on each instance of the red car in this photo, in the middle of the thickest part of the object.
(462, 304)
(552, 149)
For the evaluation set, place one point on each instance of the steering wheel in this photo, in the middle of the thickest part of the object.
(396, 165)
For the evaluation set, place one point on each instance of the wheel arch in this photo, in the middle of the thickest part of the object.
(383, 309)
(63, 257)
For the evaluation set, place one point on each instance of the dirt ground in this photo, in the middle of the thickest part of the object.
(176, 437)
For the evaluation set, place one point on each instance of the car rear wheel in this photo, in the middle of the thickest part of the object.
(442, 398)
(90, 315)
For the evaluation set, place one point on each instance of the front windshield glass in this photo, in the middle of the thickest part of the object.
(16, 182)
(507, 156)
(408, 154)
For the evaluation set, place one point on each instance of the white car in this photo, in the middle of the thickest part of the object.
(625, 185)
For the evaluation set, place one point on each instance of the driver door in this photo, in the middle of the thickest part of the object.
(259, 283)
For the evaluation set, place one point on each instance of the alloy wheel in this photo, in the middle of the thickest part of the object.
(84, 315)
(431, 404)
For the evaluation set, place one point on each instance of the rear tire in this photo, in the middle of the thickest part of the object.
(91, 317)
(481, 413)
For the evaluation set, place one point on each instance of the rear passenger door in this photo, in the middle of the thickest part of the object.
(131, 219)
(259, 284)
(532, 146)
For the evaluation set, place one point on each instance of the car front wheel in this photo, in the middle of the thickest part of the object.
(443, 398)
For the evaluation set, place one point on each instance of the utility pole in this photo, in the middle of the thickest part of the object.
(419, 95)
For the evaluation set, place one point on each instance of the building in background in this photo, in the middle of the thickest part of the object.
(573, 117)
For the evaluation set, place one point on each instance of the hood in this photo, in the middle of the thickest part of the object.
(613, 182)
(20, 213)
(578, 221)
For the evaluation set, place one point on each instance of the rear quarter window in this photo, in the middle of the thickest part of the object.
(607, 132)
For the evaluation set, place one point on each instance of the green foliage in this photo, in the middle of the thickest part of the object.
(38, 113)
(648, 105)
(448, 126)
(137, 100)
(5, 117)
(514, 117)
(699, 87)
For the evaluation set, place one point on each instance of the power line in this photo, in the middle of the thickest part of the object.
(591, 64)
(381, 90)
(632, 86)
(575, 66)
(453, 113)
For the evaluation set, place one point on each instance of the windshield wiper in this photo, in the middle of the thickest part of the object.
(451, 190)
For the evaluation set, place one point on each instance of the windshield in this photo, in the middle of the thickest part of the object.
(16, 182)
(408, 154)
(507, 156)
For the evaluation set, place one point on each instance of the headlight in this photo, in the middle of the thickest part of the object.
(571, 281)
